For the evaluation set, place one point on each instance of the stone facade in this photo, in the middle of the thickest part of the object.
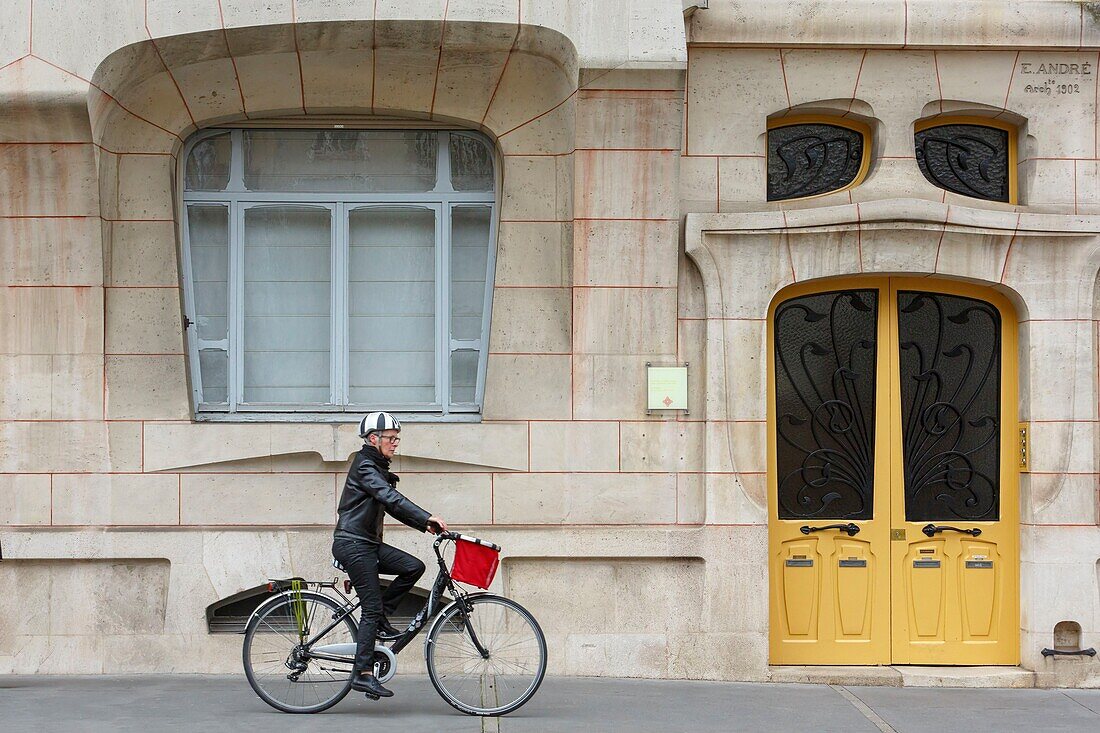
(633, 228)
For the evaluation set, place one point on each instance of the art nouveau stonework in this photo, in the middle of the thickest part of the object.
(633, 225)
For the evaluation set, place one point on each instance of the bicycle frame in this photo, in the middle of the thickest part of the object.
(443, 582)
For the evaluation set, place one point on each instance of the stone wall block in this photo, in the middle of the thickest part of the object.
(41, 102)
(51, 320)
(632, 253)
(897, 178)
(145, 187)
(611, 386)
(737, 498)
(1054, 278)
(115, 499)
(748, 282)
(535, 254)
(461, 498)
(814, 76)
(24, 499)
(496, 445)
(256, 12)
(824, 254)
(51, 387)
(466, 81)
(667, 446)
(585, 498)
(745, 378)
(271, 83)
(531, 320)
(691, 349)
(887, 249)
(742, 179)
(744, 657)
(980, 257)
(975, 77)
(169, 18)
(1047, 185)
(142, 254)
(404, 79)
(1060, 26)
(144, 321)
(737, 447)
(627, 184)
(521, 387)
(1058, 122)
(527, 194)
(699, 183)
(1071, 586)
(847, 23)
(280, 499)
(691, 498)
(730, 95)
(147, 388)
(629, 119)
(1063, 446)
(335, 80)
(77, 38)
(575, 446)
(531, 85)
(691, 296)
(50, 252)
(624, 320)
(1063, 374)
(897, 84)
(550, 133)
(1058, 498)
(48, 180)
(210, 88)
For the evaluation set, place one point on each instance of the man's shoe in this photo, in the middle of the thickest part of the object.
(369, 684)
(387, 630)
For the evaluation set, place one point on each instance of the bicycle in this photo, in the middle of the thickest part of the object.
(486, 654)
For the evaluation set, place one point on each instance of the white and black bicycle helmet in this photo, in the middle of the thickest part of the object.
(376, 422)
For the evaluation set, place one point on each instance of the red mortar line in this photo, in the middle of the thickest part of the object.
(503, 69)
(1011, 241)
(855, 88)
(783, 68)
(530, 353)
(939, 86)
(232, 58)
(1008, 91)
(163, 63)
(439, 57)
(298, 52)
(542, 114)
(625, 218)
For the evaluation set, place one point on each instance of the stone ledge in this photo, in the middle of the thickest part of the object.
(966, 677)
(842, 675)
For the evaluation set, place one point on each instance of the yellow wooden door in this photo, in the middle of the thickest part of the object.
(829, 528)
(955, 475)
(892, 408)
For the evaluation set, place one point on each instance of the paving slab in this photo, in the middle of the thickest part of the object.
(919, 710)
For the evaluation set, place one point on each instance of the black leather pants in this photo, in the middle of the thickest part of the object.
(364, 561)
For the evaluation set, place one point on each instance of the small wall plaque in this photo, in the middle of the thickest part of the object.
(668, 387)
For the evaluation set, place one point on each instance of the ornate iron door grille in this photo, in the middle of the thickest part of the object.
(825, 352)
(950, 370)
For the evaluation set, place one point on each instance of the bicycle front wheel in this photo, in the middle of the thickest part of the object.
(502, 678)
(280, 669)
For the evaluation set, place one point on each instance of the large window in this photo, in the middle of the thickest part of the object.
(338, 270)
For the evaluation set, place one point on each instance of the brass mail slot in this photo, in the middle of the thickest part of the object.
(800, 563)
(926, 563)
(853, 563)
(979, 563)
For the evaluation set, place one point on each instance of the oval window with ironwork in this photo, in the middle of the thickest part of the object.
(814, 156)
(969, 156)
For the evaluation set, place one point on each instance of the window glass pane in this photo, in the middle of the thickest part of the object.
(208, 164)
(463, 376)
(287, 304)
(471, 163)
(391, 301)
(214, 364)
(339, 160)
(208, 232)
(469, 253)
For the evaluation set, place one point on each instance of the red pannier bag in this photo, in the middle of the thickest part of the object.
(476, 561)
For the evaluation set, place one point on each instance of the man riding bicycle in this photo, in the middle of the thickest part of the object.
(370, 493)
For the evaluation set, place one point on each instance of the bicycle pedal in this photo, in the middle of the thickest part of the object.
(369, 696)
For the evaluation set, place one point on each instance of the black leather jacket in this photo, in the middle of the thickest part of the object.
(368, 497)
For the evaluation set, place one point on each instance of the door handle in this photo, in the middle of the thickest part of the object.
(932, 529)
(851, 528)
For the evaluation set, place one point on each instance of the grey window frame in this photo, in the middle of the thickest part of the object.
(442, 200)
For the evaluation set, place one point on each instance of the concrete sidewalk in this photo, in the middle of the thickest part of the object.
(203, 703)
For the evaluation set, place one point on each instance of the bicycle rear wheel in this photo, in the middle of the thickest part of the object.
(503, 680)
(279, 672)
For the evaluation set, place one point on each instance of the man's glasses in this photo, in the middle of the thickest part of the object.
(395, 439)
